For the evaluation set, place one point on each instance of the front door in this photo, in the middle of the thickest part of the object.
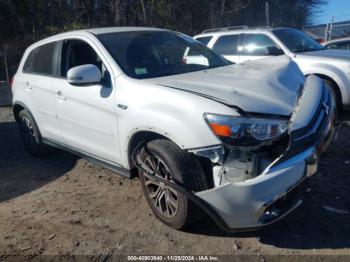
(87, 112)
(258, 46)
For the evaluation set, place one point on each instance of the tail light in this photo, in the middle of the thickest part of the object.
(11, 82)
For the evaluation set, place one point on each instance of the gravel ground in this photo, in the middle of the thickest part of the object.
(63, 205)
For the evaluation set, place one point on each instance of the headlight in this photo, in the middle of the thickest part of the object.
(242, 131)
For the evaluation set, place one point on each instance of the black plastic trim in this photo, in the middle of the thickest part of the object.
(101, 162)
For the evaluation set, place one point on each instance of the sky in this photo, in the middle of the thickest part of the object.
(339, 8)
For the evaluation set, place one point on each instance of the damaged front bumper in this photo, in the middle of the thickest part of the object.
(265, 198)
(279, 189)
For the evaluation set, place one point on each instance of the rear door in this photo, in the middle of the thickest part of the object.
(258, 46)
(38, 74)
(228, 47)
(87, 112)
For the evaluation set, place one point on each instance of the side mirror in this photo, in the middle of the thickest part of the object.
(84, 75)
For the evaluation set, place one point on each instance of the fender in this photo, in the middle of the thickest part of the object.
(169, 127)
(19, 103)
(239, 110)
(338, 76)
(175, 115)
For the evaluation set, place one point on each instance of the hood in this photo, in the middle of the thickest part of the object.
(327, 53)
(266, 86)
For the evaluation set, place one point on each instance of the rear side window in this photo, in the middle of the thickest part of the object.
(28, 65)
(205, 39)
(227, 45)
(41, 60)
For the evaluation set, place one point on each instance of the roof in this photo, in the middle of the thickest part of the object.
(107, 30)
(95, 31)
(337, 40)
(240, 29)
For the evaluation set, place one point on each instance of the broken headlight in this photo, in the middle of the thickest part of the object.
(243, 131)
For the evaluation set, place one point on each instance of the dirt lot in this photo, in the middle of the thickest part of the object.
(65, 205)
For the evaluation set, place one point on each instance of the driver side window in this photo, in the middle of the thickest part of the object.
(260, 45)
(77, 53)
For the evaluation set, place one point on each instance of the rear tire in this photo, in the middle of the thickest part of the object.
(176, 166)
(31, 136)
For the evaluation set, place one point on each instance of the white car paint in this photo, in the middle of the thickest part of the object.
(333, 64)
(237, 85)
(343, 42)
(100, 122)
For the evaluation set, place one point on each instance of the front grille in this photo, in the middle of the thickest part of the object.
(311, 134)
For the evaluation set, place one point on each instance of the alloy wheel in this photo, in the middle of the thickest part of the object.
(163, 197)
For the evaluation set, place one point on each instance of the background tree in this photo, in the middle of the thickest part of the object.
(26, 21)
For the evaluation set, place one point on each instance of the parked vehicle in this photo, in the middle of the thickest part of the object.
(241, 44)
(340, 43)
(234, 141)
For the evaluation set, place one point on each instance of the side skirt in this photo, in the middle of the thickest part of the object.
(114, 167)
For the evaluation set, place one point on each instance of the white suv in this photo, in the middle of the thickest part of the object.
(241, 44)
(236, 142)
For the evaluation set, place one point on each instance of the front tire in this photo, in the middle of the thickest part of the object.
(171, 163)
(30, 135)
(337, 98)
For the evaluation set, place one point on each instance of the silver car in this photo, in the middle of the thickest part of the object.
(241, 44)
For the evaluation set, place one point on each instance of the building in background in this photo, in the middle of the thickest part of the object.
(329, 31)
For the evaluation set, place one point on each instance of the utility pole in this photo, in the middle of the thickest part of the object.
(326, 33)
(267, 12)
(331, 28)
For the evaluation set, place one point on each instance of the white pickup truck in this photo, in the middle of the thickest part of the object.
(237, 142)
(241, 44)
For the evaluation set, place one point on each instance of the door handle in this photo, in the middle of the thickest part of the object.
(124, 107)
(60, 96)
(28, 86)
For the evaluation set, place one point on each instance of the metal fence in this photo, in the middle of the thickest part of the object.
(5, 94)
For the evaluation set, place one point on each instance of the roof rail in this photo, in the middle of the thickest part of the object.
(229, 28)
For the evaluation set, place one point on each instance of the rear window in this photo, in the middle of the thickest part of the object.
(205, 39)
(227, 45)
(40, 60)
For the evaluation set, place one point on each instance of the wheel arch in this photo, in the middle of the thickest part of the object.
(336, 87)
(139, 137)
(18, 107)
(335, 75)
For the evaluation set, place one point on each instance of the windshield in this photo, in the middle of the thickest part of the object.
(297, 41)
(148, 54)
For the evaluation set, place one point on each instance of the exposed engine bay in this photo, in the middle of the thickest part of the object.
(239, 164)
